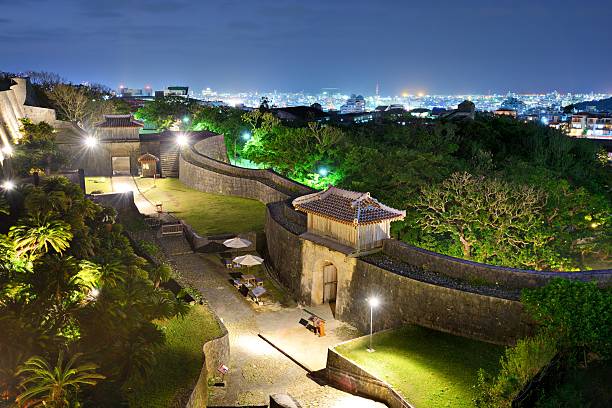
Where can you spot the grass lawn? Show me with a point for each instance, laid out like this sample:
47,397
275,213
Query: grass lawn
98,185
429,368
179,361
207,213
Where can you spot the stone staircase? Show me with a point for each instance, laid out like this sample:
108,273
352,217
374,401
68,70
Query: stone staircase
169,159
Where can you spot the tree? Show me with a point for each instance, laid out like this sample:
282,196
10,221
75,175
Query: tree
55,386
83,105
36,150
492,220
71,101
159,274
165,112
45,79
37,236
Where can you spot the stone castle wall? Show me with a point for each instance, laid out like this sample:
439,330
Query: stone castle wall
15,105
350,377
201,172
409,301
495,275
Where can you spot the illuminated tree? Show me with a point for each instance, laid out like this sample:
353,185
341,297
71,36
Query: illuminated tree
55,385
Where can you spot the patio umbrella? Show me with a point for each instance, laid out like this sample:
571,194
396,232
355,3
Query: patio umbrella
248,260
237,243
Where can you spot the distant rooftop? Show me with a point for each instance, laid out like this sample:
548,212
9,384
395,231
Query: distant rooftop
118,121
348,207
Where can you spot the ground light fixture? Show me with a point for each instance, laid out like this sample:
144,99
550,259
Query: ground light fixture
8,185
181,140
185,119
373,302
91,142
246,135
323,171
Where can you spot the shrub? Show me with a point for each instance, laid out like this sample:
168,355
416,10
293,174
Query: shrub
519,365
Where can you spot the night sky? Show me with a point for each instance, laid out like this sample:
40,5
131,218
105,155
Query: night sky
431,46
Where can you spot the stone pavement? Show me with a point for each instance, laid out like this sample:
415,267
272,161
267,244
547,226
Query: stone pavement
256,368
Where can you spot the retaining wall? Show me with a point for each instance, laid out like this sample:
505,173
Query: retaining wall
408,301
284,253
498,275
348,376
204,173
216,352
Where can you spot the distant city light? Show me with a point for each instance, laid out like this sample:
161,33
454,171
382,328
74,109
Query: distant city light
8,185
91,141
181,140
323,172
246,135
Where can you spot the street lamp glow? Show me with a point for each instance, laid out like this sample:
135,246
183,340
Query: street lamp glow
373,302
181,140
91,141
7,150
246,135
8,185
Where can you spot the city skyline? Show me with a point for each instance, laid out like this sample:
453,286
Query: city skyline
445,48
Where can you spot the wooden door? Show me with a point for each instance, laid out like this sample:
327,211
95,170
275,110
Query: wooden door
330,283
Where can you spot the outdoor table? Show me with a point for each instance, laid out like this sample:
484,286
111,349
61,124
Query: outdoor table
256,292
249,280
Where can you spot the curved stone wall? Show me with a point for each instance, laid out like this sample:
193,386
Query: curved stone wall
511,278
201,172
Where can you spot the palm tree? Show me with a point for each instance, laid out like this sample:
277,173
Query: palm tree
38,235
51,386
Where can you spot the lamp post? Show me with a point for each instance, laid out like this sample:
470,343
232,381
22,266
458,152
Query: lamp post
373,302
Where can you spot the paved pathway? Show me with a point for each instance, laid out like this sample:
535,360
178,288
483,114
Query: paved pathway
126,183
256,368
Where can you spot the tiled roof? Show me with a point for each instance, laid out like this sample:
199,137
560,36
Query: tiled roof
147,157
114,121
348,207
